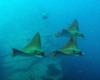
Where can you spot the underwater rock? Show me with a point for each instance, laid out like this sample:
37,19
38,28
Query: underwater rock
37,69
53,70
44,78
22,76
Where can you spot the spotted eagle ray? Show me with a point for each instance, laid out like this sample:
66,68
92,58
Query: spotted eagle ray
32,48
70,48
73,30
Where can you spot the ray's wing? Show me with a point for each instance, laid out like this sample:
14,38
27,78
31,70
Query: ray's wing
71,44
74,26
34,43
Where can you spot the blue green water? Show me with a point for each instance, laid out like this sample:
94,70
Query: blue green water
21,19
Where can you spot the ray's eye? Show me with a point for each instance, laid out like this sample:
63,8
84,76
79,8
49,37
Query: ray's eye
35,51
74,51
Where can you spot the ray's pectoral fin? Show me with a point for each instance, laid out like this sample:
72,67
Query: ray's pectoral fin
74,26
35,42
17,52
62,33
